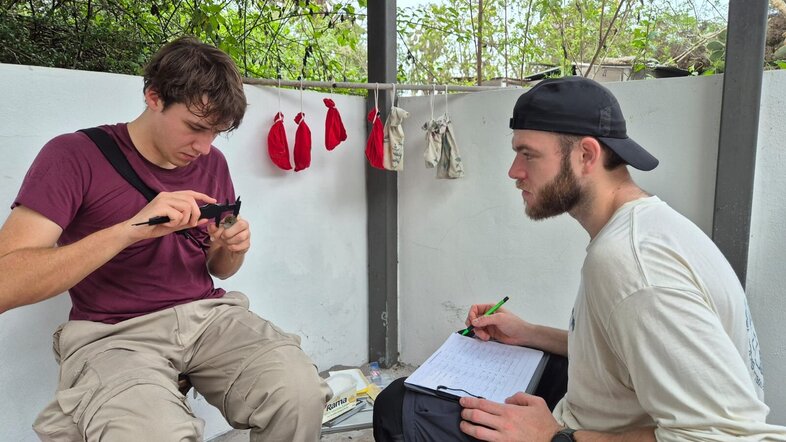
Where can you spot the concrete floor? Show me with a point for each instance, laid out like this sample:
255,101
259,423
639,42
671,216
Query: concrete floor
364,435
356,436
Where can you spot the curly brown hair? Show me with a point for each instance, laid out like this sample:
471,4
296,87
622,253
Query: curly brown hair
202,77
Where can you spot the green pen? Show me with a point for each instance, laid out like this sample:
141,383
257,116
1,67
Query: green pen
469,329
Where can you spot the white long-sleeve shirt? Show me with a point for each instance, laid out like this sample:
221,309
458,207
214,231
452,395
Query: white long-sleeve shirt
661,335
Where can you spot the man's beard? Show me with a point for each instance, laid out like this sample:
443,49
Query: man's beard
560,195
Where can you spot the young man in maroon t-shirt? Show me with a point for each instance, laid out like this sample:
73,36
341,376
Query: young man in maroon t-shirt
144,307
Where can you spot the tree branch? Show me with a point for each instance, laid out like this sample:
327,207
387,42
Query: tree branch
606,35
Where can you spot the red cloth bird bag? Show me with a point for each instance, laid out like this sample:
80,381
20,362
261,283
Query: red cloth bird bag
375,149
302,143
277,146
334,127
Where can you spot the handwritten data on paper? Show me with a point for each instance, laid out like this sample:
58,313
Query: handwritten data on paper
492,370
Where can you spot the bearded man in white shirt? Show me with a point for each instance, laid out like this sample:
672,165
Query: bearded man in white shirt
661,344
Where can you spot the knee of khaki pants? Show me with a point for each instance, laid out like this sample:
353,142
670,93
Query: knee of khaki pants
135,411
52,425
127,394
280,395
145,412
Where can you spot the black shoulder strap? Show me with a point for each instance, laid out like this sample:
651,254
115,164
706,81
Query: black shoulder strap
119,161
112,153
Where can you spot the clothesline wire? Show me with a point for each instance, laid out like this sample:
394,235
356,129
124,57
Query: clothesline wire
371,86
431,102
376,104
301,96
446,99
279,95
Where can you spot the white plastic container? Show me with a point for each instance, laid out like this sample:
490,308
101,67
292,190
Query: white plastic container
344,396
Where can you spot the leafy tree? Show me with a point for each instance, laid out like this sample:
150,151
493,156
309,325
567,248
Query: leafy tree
672,35
445,42
291,38
523,36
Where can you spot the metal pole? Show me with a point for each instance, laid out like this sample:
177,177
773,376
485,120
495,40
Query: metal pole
382,200
739,130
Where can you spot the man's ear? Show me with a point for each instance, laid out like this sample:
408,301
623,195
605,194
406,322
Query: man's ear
153,100
591,154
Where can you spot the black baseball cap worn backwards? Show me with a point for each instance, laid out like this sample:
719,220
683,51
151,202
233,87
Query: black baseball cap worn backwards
580,106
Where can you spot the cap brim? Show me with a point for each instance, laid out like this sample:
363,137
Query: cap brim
631,152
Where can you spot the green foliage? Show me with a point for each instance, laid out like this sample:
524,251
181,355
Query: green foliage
674,36
326,40
440,40
61,38
288,38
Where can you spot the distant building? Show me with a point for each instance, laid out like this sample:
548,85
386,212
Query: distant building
612,69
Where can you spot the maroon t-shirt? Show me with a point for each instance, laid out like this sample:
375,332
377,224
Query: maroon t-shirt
74,185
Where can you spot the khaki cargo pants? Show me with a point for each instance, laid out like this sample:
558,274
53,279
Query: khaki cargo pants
118,382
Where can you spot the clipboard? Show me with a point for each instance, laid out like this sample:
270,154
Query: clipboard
465,366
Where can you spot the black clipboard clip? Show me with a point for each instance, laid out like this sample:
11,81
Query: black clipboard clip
440,391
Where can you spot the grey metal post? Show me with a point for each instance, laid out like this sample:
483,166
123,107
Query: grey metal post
739,130
382,198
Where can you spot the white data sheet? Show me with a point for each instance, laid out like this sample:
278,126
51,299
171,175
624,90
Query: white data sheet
491,370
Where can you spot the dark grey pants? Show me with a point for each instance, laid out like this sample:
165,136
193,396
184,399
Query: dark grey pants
401,414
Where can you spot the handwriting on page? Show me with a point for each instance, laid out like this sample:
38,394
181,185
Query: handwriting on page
489,369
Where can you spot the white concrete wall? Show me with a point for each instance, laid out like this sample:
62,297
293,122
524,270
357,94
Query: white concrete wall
306,270
767,253
461,241
466,241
